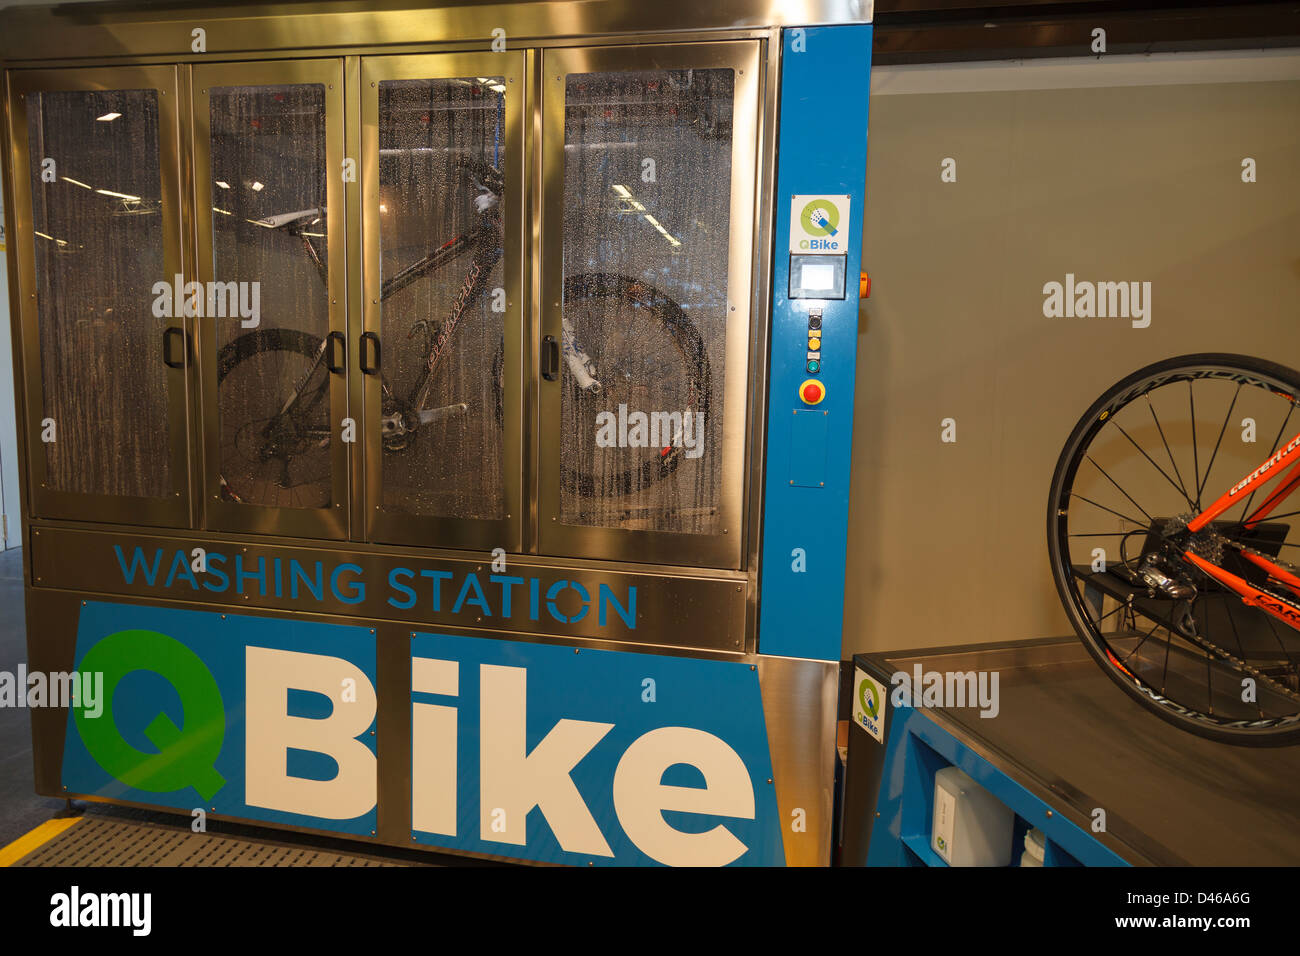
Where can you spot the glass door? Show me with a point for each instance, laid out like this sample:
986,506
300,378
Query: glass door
649,160
105,350
442,211
269,185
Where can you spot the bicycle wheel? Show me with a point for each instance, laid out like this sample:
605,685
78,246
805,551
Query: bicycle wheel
274,452
648,355
1149,455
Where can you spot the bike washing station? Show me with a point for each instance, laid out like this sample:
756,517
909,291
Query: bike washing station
461,611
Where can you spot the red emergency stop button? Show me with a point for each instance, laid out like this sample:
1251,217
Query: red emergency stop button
812,391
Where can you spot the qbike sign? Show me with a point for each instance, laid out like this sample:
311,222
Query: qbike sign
528,751
819,225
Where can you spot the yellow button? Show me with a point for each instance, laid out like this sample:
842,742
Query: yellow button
814,343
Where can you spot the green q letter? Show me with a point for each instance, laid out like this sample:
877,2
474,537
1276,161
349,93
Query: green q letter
185,757
867,697
820,218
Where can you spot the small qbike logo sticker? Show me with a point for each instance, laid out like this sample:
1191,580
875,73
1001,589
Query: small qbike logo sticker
819,225
869,704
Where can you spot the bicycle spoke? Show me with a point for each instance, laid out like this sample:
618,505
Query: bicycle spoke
1209,681
1196,460
1104,508
1150,520
1140,643
1141,451
1222,431
1164,441
1241,651
1268,619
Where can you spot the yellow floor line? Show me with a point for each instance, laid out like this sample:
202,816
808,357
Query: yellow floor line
28,842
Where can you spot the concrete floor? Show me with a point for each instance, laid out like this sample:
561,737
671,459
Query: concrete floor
20,808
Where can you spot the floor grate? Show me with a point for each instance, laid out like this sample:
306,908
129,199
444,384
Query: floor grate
100,841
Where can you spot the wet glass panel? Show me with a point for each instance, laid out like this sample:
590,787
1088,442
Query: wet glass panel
441,187
270,299
97,214
647,197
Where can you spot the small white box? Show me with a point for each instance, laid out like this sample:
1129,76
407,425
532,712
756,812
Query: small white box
971,827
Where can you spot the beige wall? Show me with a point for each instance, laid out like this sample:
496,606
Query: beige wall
1126,169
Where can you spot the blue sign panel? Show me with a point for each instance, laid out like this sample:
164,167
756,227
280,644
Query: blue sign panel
263,718
589,757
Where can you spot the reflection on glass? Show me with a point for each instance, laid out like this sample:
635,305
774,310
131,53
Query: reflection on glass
97,214
269,239
440,187
647,195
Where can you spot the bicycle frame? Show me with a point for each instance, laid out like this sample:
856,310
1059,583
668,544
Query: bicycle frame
1285,610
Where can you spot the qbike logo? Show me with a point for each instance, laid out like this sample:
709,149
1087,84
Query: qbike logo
867,697
820,218
184,758
212,723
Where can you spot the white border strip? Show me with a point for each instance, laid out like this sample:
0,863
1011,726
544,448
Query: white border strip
1067,73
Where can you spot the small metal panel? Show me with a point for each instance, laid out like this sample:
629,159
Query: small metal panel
401,527
800,704
823,148
681,610
105,841
171,508
220,512
808,431
722,546
35,34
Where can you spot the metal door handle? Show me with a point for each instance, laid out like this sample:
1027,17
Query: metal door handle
550,358
168,334
336,352
368,367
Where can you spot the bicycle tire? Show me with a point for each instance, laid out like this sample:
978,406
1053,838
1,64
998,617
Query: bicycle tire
259,341
1283,382
688,341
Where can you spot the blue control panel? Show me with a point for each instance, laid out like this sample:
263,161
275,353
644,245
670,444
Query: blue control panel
821,177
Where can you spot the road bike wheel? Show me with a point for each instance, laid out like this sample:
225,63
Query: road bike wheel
1155,450
269,456
641,343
